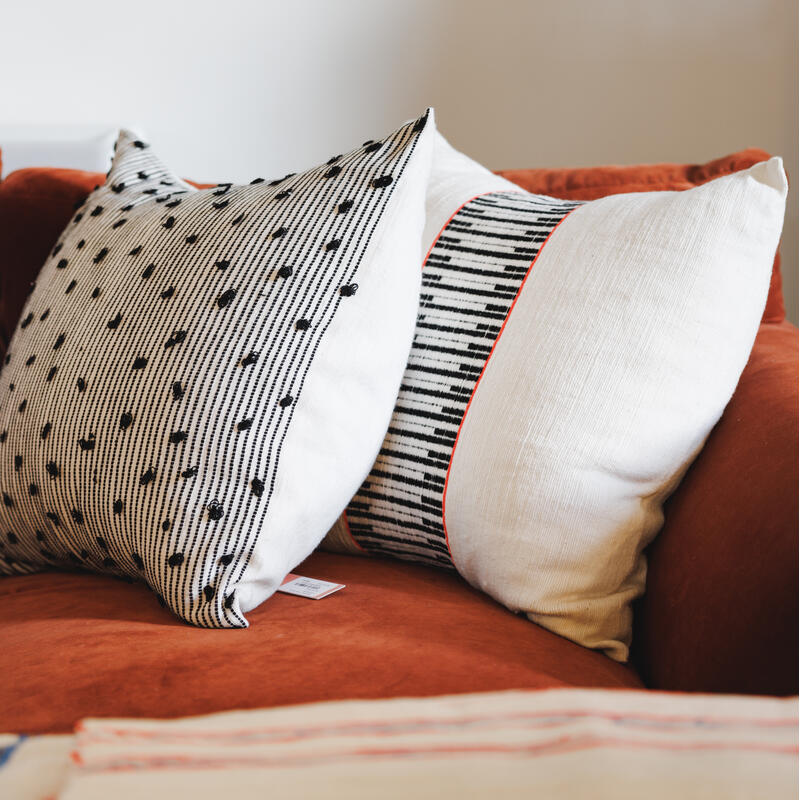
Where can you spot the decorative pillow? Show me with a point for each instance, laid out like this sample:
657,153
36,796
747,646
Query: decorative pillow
569,360
202,379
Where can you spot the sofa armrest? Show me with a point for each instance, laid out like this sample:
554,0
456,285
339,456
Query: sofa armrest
720,609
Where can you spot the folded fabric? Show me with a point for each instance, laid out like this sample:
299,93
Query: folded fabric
569,361
559,743
202,378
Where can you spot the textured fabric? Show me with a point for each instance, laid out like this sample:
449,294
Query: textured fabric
591,183
559,743
546,430
191,362
720,611
81,645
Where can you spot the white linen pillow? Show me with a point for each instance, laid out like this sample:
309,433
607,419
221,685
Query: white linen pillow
569,361
201,379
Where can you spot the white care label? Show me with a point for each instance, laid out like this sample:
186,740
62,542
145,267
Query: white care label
308,587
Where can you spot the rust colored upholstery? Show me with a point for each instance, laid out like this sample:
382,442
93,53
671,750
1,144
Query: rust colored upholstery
720,610
78,645
589,183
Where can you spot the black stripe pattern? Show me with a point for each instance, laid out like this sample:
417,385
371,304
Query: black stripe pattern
470,280
155,372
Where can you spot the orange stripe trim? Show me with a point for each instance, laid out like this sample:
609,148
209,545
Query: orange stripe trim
480,377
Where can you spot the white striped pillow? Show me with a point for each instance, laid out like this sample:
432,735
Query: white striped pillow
201,379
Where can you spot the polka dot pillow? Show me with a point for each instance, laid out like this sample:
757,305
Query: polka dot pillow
201,379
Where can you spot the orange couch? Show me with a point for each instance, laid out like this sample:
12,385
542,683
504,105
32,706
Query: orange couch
719,614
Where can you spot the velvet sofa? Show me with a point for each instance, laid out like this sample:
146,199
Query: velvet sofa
719,613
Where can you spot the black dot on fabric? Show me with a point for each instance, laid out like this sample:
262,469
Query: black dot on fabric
285,272
420,124
148,271
225,298
62,263
140,363
33,490
109,562
286,401
177,390
40,536
302,325
101,254
81,244
150,191
54,518
215,511
169,222
137,560
382,182
332,172
22,406
223,188
209,592
226,559
348,290
191,238
244,425
118,224
95,293
176,437
136,250
118,506
17,463
222,265
70,287
190,473
344,206
113,324
3,436
333,245
87,444
167,293
46,430
148,476
163,199
84,554
77,218
77,516
276,234
220,204
12,538
334,159
128,207
282,195
142,176
125,420
250,359
173,203
165,525
176,338
52,469
8,502
57,249
238,220
10,387
229,600
97,211
44,315
27,321
30,360
139,144
371,147
81,385
175,560
256,180
257,486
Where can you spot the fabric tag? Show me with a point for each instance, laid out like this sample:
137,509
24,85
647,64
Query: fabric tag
308,587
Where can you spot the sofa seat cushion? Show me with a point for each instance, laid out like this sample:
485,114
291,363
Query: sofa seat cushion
77,645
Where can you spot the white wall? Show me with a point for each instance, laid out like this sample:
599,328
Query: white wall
229,90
